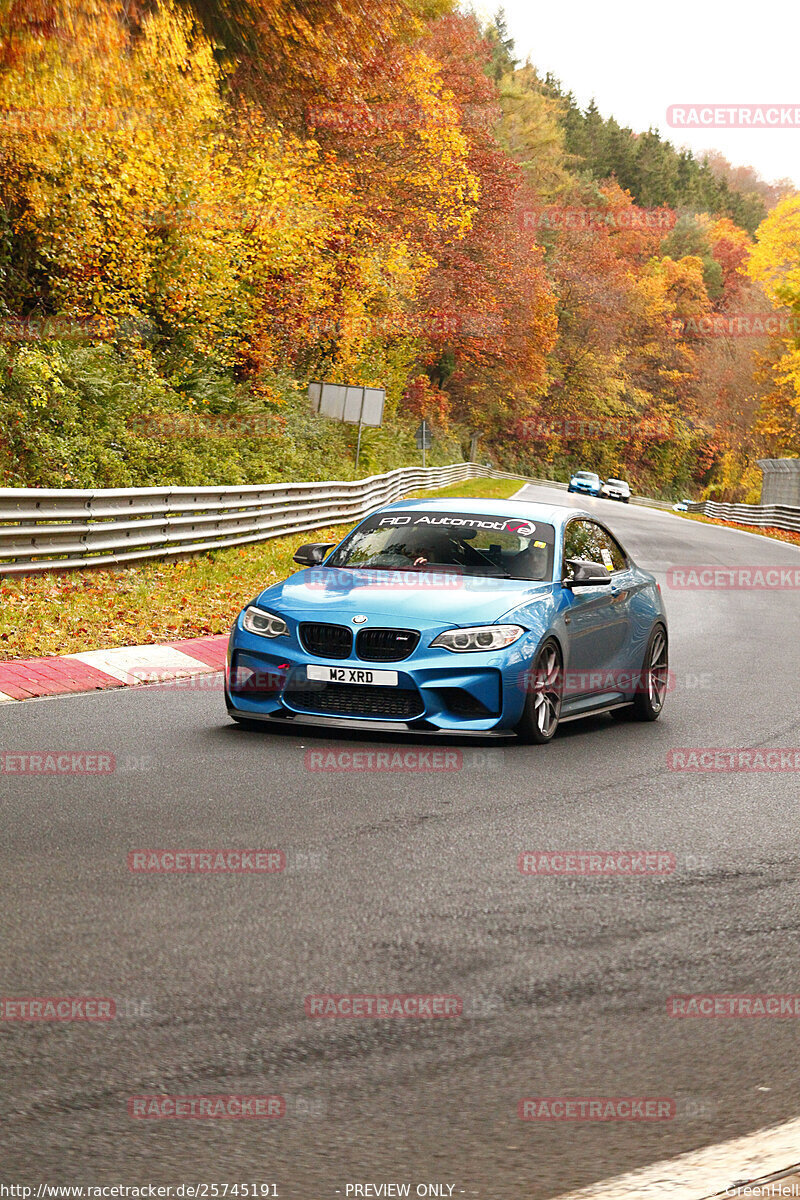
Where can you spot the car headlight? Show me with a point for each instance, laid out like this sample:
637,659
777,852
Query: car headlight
479,637
257,620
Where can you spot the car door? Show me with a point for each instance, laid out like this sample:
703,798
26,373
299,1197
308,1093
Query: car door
597,618
623,588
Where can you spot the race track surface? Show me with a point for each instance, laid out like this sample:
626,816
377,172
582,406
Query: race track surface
408,882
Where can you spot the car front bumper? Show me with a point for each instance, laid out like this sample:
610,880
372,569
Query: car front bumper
436,689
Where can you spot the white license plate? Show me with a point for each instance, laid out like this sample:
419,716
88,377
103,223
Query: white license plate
352,675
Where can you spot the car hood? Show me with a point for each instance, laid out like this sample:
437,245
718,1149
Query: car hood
421,598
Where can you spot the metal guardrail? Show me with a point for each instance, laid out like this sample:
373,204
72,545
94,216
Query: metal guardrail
46,529
774,516
646,502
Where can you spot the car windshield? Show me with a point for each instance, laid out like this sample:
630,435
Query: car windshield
616,482
585,475
465,543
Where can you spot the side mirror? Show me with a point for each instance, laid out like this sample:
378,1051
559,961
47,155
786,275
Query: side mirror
587,574
312,554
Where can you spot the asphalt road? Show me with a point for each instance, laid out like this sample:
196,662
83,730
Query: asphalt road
409,883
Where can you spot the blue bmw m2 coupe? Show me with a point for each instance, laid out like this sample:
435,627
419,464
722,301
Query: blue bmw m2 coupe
457,615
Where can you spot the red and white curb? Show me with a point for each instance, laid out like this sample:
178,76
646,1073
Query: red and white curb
124,666
727,1169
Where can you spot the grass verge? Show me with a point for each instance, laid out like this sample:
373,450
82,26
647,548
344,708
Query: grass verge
493,489
160,601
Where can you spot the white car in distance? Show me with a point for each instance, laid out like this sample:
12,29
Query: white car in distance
616,489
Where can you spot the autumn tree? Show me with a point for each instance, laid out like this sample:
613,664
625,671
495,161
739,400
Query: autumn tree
774,263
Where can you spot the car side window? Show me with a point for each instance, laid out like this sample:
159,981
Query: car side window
588,541
577,544
619,559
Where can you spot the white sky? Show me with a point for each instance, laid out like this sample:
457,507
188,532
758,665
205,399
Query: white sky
637,58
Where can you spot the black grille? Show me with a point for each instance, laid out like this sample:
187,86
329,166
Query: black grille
385,645
358,700
327,641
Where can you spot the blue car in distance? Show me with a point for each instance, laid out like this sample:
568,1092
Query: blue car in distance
457,615
586,482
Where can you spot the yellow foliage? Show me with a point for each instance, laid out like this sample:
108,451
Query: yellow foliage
775,264
159,207
775,258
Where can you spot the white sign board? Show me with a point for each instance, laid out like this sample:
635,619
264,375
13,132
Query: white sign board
374,400
331,403
347,403
353,400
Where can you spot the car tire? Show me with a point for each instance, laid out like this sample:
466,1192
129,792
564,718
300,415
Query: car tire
542,710
648,703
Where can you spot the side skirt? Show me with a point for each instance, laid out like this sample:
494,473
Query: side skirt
595,712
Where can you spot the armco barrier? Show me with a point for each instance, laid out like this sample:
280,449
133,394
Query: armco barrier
45,529
646,502
48,529
773,516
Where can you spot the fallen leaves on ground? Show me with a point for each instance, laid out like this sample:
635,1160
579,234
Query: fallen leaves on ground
98,609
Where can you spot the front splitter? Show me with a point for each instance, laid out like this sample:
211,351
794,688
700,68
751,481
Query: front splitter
367,726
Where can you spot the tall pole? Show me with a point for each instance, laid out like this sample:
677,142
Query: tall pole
424,441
